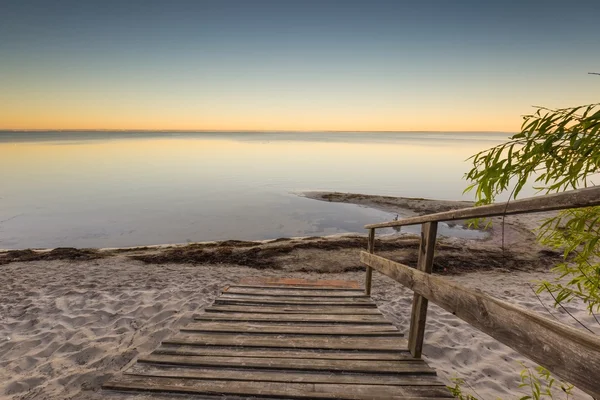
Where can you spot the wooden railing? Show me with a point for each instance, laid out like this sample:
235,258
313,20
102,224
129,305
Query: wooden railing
571,354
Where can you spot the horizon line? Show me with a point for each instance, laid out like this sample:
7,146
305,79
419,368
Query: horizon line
251,131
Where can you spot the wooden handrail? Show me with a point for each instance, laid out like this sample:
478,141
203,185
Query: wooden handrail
586,197
571,354
418,314
370,249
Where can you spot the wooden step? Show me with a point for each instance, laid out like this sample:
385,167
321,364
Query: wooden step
305,329
298,318
292,309
249,374
410,367
274,389
266,340
290,341
224,351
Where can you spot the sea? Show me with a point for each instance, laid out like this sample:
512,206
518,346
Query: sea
120,189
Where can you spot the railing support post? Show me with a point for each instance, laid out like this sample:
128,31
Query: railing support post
370,249
419,306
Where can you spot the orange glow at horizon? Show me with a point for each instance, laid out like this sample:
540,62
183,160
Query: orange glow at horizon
338,105
78,117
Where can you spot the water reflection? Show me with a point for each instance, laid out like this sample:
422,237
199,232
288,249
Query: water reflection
114,189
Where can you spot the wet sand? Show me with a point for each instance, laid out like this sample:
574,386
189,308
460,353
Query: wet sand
513,231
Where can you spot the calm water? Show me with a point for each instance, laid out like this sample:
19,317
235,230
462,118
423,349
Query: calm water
98,189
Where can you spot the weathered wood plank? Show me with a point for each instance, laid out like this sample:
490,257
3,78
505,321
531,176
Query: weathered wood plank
273,389
329,329
571,354
254,375
410,367
369,271
299,318
278,292
175,349
418,315
288,341
321,303
292,309
586,197
291,282
352,286
337,300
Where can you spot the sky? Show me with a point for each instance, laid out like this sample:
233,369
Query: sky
294,65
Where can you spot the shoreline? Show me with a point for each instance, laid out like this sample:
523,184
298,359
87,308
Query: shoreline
323,254
415,205
517,227
510,244
181,244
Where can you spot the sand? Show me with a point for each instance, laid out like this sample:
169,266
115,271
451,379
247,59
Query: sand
70,319
66,326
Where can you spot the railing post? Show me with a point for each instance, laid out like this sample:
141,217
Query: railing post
370,249
419,306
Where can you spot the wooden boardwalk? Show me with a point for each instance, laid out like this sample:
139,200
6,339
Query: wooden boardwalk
285,340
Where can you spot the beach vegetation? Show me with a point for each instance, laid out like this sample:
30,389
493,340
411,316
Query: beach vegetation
556,150
538,382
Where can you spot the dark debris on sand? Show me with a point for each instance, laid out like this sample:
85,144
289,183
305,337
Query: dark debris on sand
258,255
449,258
60,253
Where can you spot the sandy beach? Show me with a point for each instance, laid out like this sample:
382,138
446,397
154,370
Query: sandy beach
70,319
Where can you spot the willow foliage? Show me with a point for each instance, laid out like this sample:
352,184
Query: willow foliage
540,384
557,149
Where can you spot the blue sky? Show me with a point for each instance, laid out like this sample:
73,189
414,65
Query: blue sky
293,65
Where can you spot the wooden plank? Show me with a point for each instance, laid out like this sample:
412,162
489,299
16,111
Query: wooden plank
410,367
293,294
321,303
298,282
418,315
175,349
288,341
291,309
336,300
570,353
369,272
278,291
299,318
586,197
279,376
314,288
258,328
273,389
